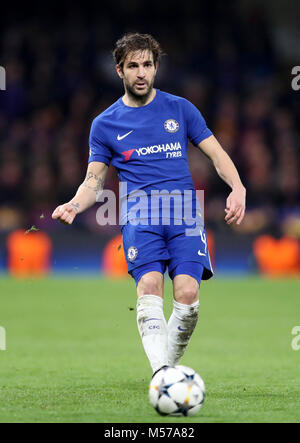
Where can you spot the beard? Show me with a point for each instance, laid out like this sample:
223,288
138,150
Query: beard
139,96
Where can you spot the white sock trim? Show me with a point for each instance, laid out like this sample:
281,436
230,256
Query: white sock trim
184,306
151,297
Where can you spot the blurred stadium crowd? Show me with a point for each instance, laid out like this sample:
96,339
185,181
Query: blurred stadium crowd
60,75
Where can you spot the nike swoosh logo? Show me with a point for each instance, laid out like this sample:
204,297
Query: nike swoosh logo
180,329
120,137
201,253
149,319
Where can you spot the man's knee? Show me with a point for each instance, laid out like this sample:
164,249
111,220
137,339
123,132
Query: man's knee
151,283
186,291
187,296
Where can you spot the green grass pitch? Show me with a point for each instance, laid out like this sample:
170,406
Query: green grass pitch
74,354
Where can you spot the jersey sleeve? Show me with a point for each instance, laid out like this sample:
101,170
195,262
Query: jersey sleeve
197,131
99,152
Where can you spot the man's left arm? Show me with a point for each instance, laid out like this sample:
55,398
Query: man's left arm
236,201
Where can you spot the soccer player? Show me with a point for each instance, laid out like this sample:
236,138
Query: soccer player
145,134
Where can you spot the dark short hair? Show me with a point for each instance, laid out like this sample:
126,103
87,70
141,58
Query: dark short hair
136,42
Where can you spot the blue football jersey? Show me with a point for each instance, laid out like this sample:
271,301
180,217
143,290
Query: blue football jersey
148,144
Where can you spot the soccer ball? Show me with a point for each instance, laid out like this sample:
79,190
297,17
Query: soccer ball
177,391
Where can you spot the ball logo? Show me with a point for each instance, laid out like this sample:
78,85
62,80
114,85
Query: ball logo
132,253
171,125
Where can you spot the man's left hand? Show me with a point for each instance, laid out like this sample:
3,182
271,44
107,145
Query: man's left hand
235,206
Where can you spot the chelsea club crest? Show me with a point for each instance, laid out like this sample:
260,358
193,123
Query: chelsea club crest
171,125
132,253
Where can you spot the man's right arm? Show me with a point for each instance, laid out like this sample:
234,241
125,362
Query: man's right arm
86,195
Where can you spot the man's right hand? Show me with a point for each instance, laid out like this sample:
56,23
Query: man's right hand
66,213
86,195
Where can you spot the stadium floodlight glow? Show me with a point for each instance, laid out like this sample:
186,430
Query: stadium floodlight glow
2,79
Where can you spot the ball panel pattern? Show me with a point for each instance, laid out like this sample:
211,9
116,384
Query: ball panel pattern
177,391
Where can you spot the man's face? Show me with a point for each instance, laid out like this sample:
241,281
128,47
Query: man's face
138,73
